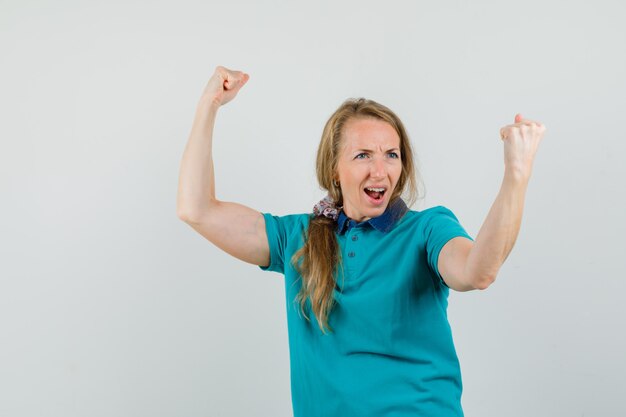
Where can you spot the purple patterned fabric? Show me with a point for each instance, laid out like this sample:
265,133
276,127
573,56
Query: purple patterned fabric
326,207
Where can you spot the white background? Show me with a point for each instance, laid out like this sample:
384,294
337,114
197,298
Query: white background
112,306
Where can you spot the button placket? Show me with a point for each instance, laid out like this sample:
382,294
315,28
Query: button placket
350,250
353,237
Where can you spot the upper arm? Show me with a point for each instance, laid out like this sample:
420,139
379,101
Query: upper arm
452,264
236,229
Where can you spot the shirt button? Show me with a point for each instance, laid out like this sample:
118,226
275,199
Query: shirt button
351,254
355,238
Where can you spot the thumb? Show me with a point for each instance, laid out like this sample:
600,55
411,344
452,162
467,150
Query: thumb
518,118
236,81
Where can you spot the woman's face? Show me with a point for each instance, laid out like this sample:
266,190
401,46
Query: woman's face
369,167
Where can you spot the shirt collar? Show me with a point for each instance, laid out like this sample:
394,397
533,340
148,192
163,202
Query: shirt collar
383,223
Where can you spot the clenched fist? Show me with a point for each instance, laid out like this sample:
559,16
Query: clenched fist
224,85
521,141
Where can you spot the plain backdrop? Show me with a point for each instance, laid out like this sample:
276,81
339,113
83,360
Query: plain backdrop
112,306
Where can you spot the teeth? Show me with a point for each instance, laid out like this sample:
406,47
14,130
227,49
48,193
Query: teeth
379,190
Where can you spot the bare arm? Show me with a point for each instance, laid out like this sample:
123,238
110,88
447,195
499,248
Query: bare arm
467,265
234,228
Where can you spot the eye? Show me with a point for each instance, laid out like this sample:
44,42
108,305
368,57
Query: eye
359,156
393,155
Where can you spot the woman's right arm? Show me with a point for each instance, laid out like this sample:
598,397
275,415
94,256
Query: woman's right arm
234,228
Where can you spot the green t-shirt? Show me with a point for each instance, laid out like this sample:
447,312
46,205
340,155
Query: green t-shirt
391,352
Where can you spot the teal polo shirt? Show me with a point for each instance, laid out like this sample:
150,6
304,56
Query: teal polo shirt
391,352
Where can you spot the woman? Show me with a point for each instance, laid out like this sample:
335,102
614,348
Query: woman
366,279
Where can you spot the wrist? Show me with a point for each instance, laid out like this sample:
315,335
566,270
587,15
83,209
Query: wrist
516,177
208,104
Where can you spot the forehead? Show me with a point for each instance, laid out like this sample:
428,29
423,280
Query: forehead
369,133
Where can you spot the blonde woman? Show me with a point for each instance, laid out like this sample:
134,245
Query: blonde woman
366,278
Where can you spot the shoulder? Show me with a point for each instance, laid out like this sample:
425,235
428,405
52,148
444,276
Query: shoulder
421,217
286,224
423,224
437,211
289,218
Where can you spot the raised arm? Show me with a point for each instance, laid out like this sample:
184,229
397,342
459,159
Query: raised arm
467,265
234,228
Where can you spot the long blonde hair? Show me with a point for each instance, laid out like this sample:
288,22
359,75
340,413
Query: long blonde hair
318,259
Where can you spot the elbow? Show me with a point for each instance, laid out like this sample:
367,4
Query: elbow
191,213
484,283
196,214
182,214
186,216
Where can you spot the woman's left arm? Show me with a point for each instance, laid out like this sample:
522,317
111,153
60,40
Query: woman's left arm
475,265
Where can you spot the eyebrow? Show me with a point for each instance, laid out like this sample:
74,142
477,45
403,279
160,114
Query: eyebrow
369,150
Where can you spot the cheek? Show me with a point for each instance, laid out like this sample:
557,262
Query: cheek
354,174
396,175
397,170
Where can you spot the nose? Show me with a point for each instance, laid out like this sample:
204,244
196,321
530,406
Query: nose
378,169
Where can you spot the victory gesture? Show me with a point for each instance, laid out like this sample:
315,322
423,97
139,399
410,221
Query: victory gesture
521,141
224,85
365,165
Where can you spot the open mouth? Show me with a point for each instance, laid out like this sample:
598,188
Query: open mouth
375,193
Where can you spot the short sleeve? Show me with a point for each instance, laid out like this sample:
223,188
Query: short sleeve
441,226
282,234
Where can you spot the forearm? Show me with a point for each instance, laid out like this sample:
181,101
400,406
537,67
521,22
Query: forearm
196,182
498,233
